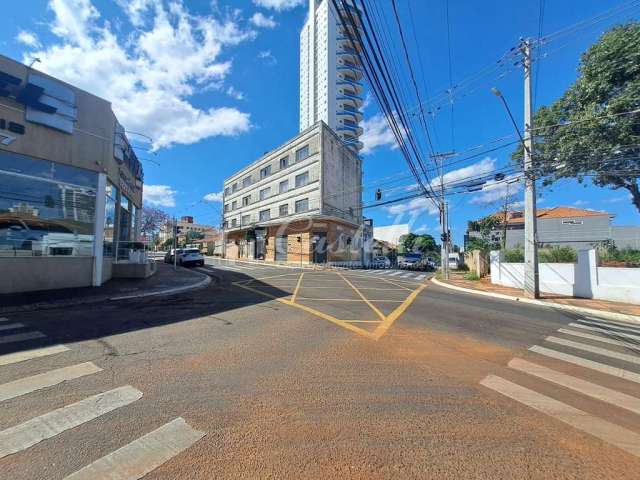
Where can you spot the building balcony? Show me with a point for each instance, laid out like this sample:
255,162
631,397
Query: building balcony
351,69
353,143
352,113
348,130
355,87
354,100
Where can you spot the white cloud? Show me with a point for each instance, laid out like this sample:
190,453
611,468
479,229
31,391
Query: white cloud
422,229
580,203
466,174
159,195
494,190
413,207
262,21
149,76
268,57
213,197
29,39
278,4
377,134
232,92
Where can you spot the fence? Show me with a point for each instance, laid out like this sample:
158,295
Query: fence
582,279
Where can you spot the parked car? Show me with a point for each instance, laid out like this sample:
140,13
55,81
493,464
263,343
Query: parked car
410,261
380,262
168,257
190,256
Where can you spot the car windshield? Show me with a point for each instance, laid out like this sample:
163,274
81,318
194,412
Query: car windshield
412,256
192,250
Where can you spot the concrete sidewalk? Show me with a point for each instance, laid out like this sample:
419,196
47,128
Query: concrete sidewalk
603,308
166,281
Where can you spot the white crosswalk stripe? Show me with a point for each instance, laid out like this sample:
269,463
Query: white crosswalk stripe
17,357
611,325
21,337
3,319
597,350
395,273
11,326
598,338
407,275
594,328
27,385
421,277
593,390
583,362
615,435
31,432
135,460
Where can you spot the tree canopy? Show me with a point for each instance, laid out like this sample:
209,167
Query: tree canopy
418,243
593,130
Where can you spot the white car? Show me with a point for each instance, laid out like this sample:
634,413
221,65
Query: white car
190,256
381,262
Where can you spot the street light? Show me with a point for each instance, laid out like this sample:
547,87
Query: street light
498,94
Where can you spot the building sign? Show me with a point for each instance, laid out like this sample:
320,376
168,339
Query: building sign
13,127
47,101
127,186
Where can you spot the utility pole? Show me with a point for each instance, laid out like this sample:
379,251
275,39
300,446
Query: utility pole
531,276
175,243
444,216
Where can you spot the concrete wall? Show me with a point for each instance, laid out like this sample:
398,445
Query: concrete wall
24,274
583,279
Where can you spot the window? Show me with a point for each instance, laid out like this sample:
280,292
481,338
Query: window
226,207
225,224
245,220
234,222
246,200
284,163
246,181
302,205
265,172
234,187
227,190
234,205
109,219
572,222
47,208
265,215
302,179
284,186
284,210
302,153
265,193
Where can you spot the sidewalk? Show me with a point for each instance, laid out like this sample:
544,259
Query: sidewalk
166,281
612,310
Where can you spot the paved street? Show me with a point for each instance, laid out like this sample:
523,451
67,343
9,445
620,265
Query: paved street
274,372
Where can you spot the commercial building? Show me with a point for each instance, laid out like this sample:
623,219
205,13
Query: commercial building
70,184
563,226
330,75
298,203
186,225
391,234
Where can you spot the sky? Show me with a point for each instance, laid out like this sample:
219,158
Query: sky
214,85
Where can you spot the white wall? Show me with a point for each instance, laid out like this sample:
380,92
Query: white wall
583,279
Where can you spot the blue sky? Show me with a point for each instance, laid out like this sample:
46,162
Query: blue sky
215,84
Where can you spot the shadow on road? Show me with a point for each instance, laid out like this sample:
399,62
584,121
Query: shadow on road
97,320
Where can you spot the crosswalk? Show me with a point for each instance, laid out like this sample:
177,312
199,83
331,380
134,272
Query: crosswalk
398,274
591,344
131,461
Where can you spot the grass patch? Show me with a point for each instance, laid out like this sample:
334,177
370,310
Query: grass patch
471,276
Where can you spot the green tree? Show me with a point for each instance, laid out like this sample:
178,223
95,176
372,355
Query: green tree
407,241
589,130
425,244
486,227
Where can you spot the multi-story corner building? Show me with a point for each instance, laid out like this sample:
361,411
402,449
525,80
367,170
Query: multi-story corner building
330,75
71,185
298,203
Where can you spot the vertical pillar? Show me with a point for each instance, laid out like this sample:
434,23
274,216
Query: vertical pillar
98,230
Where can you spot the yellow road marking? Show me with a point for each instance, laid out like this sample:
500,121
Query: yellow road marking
393,316
384,324
347,300
371,305
295,292
264,278
411,282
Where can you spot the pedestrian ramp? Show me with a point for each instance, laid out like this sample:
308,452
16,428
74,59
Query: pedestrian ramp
131,461
590,358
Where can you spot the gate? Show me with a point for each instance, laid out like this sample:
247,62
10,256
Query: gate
281,247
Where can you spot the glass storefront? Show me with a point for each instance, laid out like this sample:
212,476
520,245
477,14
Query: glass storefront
110,219
45,208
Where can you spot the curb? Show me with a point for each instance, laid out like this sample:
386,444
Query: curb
621,317
88,301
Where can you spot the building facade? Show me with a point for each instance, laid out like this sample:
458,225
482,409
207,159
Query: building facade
564,226
298,203
330,75
70,184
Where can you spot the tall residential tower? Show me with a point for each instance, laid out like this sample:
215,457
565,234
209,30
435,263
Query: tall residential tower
330,75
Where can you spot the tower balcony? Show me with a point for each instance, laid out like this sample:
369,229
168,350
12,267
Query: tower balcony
352,142
352,100
349,130
350,113
352,70
348,87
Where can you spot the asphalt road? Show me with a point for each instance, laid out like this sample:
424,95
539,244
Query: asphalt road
286,373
